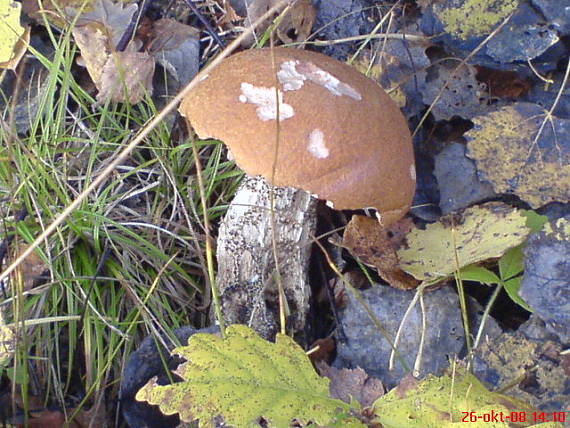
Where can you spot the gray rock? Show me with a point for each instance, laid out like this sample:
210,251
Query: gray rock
535,329
459,185
525,37
338,19
556,12
366,347
25,111
546,282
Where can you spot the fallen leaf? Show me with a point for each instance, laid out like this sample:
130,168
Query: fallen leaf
176,47
455,91
24,101
111,18
555,12
19,51
457,179
322,350
55,12
296,26
457,240
7,343
126,77
119,76
520,150
31,269
443,402
242,378
352,384
96,416
503,83
11,32
534,369
45,419
93,44
399,67
252,10
366,239
472,18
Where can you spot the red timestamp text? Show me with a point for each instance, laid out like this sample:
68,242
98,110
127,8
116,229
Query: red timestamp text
501,416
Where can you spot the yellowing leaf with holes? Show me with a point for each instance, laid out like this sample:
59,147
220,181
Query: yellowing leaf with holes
243,378
453,400
10,29
520,150
478,233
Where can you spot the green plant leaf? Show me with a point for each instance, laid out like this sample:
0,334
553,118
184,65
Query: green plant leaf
457,240
512,263
479,274
534,220
243,378
445,401
512,287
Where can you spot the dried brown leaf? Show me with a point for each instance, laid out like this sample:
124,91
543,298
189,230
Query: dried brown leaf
296,26
31,268
169,34
349,384
365,238
112,18
176,47
256,9
126,77
93,44
323,350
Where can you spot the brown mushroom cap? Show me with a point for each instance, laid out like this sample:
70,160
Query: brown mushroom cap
341,137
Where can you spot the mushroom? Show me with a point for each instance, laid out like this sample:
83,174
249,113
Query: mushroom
341,139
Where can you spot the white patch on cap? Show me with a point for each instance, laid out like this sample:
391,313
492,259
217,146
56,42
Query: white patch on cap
289,77
293,74
317,145
264,99
329,204
413,172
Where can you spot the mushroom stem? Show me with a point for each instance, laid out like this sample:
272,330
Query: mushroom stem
246,263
